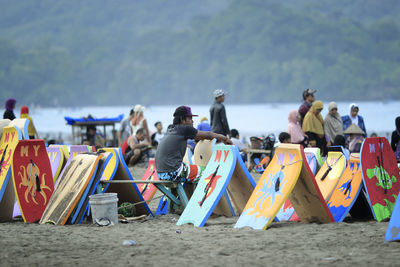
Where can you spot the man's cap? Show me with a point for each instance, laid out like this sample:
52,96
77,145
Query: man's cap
139,108
308,92
218,93
184,111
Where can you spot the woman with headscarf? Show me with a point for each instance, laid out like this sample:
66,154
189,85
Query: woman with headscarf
333,124
9,112
353,118
294,129
395,141
313,126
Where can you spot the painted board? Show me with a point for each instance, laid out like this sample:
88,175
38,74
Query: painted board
82,208
149,190
202,154
330,172
273,188
347,189
312,162
33,180
64,149
21,124
57,161
73,183
285,212
317,152
74,150
211,186
393,230
3,123
9,140
307,199
380,175
111,166
127,192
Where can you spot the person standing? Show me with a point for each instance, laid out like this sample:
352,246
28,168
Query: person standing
308,97
333,124
31,127
294,129
313,126
353,118
9,112
219,122
125,129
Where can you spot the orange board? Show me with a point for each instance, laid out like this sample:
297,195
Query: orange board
330,172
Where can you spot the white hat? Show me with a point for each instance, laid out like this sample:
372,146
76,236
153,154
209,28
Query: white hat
138,108
218,93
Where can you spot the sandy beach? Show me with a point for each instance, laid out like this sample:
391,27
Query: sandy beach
160,242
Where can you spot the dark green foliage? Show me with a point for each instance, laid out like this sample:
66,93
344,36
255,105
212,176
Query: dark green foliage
177,52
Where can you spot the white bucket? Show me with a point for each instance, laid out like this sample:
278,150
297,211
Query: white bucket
104,208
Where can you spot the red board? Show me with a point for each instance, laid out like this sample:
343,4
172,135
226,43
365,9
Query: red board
380,175
33,179
148,190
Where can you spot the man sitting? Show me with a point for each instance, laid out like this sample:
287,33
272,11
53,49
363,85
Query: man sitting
172,148
136,150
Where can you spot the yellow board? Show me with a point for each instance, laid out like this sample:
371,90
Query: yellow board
273,188
57,160
3,123
111,166
9,140
328,179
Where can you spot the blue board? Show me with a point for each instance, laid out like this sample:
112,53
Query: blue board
212,185
393,231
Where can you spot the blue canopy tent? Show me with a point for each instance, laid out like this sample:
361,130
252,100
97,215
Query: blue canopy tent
80,125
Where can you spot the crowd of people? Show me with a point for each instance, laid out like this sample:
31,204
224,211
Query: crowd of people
306,126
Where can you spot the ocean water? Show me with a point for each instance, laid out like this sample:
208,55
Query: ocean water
248,119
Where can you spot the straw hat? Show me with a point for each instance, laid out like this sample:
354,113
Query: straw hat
354,129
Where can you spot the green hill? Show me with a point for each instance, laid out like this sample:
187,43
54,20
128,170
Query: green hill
170,52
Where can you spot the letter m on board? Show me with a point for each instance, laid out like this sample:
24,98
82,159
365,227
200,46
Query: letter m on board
218,156
371,148
24,151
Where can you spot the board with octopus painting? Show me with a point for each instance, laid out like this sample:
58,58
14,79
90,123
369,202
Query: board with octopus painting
33,179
